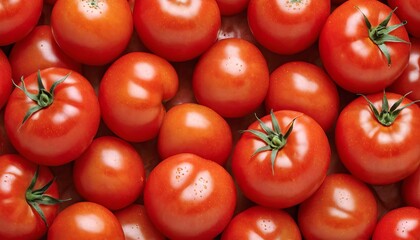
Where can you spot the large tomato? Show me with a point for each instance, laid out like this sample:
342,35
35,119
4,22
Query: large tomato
90,31
364,46
5,79
53,116
377,138
398,224
408,10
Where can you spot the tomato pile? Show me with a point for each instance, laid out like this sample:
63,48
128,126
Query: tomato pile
209,119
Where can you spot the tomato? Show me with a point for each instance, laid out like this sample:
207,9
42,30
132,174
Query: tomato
306,88
231,7
136,224
39,44
400,223
5,145
85,220
189,197
26,207
281,159
359,58
110,172
92,32
409,11
259,222
131,94
58,127
194,128
177,30
410,189
5,79
378,142
287,27
231,78
342,208
17,19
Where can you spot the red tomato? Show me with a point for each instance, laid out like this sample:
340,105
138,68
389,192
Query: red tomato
92,32
284,166
231,78
262,223
287,27
17,19
400,223
194,128
342,208
40,45
408,10
131,94
357,60
189,197
305,88
66,121
136,224
85,220
410,189
177,30
20,198
5,79
380,149
231,7
110,172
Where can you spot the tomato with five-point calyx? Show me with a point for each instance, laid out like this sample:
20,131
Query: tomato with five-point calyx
6,85
52,116
398,224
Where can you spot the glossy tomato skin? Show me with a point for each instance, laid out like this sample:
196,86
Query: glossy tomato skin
177,30
5,79
85,220
375,153
409,11
259,222
306,88
194,128
61,132
232,78
299,167
110,172
17,19
189,197
231,7
410,189
18,219
287,27
39,44
351,58
92,32
400,223
342,208
131,93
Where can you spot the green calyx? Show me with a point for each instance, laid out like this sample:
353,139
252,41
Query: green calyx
275,140
37,197
388,114
380,34
43,98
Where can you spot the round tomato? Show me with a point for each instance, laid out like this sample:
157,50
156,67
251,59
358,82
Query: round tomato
131,94
281,159
377,137
342,208
5,79
408,10
364,46
189,197
231,7
410,189
400,223
85,220
177,30
29,198
92,32
52,117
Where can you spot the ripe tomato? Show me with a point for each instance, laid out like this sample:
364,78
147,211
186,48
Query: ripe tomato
231,78
189,197
259,222
194,128
63,122
5,79
281,159
382,147
410,11
400,223
342,208
362,58
92,32
231,7
287,27
25,209
410,189
85,220
131,94
177,30
110,172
